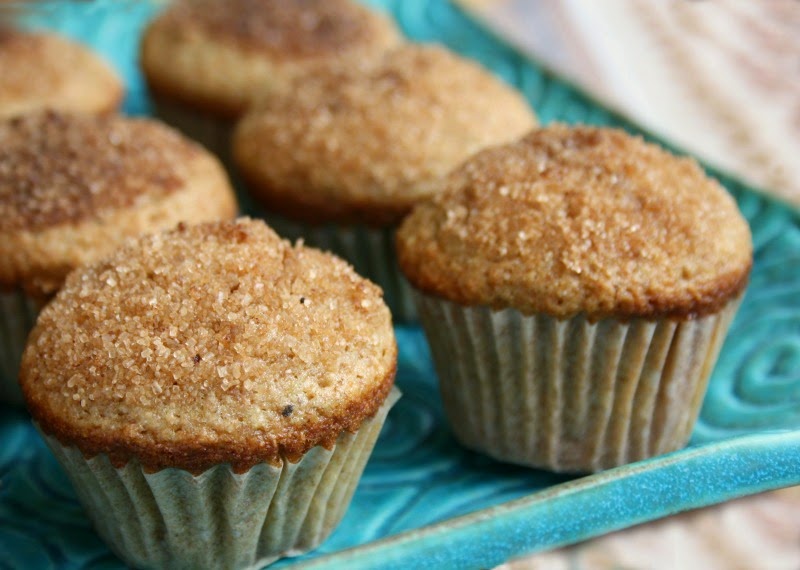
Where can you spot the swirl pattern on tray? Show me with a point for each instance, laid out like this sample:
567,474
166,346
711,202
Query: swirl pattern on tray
418,473
756,384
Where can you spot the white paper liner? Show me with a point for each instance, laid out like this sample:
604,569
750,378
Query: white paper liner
220,519
570,395
16,321
212,132
370,250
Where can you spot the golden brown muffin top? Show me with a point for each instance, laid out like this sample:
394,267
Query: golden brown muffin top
218,57
58,168
580,220
72,187
283,28
216,343
366,144
40,71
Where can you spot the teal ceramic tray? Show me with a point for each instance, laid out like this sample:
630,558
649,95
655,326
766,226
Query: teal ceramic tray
424,502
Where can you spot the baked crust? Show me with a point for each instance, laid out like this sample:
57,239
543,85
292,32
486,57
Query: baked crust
364,145
217,343
74,187
218,57
47,71
580,220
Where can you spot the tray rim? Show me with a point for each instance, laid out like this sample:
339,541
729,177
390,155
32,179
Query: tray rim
457,539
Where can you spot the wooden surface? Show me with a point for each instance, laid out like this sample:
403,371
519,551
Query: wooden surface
720,78
759,532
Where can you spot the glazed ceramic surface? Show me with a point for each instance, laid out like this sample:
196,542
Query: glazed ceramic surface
424,502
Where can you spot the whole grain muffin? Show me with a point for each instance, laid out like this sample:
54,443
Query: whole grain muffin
583,282
73,188
45,71
350,152
212,379
206,61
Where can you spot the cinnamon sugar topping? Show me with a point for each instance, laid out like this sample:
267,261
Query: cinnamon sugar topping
40,71
60,168
191,348
580,220
19,56
297,27
366,143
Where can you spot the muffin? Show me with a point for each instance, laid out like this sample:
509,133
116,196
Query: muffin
575,288
46,71
72,188
205,61
212,381
345,157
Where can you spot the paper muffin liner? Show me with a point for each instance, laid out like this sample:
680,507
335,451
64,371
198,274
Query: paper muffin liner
212,132
18,317
221,519
570,395
371,251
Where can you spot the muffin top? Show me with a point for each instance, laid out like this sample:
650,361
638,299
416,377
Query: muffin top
47,71
65,180
364,145
217,56
215,343
580,220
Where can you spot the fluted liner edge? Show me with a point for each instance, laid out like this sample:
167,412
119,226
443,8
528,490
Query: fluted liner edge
570,395
18,317
221,519
212,132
